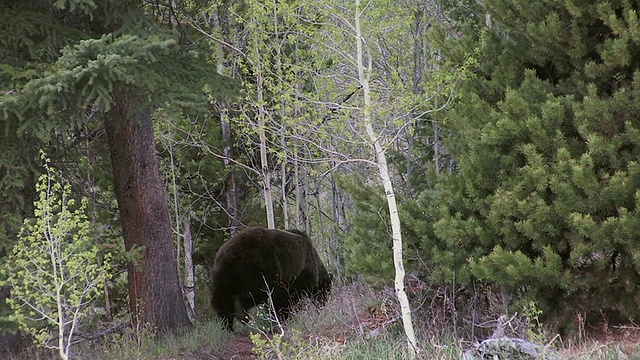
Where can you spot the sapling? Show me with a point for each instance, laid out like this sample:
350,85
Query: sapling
54,271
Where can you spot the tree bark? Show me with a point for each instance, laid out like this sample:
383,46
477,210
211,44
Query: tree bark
155,297
262,124
230,190
283,185
230,181
299,200
189,279
381,159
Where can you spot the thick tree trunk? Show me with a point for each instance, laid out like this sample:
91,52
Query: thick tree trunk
155,297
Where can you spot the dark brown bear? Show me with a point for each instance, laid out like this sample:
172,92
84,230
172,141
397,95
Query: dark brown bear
257,261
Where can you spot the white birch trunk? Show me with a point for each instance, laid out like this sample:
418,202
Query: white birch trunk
388,188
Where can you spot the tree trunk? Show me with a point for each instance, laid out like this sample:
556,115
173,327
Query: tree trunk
230,190
299,200
154,291
338,220
262,119
189,282
230,181
436,147
283,183
388,188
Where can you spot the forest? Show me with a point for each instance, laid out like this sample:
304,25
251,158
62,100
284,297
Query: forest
468,170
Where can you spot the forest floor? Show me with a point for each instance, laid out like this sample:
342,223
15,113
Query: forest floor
358,319
357,323
360,323
239,346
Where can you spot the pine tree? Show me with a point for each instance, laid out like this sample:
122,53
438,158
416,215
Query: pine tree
367,248
23,53
546,143
108,61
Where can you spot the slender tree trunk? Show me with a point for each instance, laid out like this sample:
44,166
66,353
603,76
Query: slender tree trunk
299,200
283,119
189,283
264,163
388,188
283,187
305,208
230,181
176,207
155,297
338,220
408,188
436,148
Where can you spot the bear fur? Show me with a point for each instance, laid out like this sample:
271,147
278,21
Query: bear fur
257,261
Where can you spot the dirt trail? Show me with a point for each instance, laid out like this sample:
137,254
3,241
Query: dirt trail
236,347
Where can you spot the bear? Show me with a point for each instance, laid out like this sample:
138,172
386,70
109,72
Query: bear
257,262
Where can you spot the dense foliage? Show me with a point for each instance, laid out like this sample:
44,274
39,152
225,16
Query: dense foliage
511,131
74,72
545,138
56,270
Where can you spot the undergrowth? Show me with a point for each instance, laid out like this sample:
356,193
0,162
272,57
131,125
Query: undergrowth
357,323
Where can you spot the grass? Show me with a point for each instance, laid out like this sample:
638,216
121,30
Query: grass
357,323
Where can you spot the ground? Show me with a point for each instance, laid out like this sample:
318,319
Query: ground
356,323
237,346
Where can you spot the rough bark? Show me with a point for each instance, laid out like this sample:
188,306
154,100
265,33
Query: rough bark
155,297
